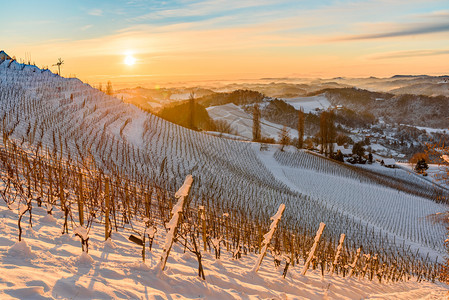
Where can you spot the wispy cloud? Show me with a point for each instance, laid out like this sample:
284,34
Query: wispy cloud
408,30
201,9
85,27
95,12
412,53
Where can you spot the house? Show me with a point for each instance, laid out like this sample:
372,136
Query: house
388,162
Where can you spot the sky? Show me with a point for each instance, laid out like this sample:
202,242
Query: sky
228,39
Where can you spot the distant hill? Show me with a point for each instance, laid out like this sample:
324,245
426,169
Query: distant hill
238,97
418,110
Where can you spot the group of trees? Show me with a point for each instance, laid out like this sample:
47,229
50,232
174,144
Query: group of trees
108,90
327,134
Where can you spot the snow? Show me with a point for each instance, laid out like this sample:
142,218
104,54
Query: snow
242,122
22,208
49,219
309,104
430,130
389,161
81,231
85,260
172,225
435,173
180,96
20,250
58,270
268,236
313,249
445,158
401,215
183,191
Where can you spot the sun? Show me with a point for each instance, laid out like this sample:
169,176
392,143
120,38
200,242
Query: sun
130,60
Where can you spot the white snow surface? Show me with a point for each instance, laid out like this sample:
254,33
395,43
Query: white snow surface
398,214
54,267
48,265
309,104
242,122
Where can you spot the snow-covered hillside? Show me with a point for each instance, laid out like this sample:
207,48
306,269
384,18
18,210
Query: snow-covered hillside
309,104
67,119
48,265
242,123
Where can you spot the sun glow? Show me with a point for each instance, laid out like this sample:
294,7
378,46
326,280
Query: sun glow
130,60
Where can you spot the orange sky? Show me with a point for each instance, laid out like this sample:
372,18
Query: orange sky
208,40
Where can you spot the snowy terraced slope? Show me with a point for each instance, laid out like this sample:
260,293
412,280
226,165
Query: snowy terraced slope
39,107
398,213
242,122
309,104
48,265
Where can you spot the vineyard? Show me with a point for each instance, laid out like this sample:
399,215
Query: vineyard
96,161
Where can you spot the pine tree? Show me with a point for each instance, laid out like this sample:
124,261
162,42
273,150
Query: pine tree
421,166
192,110
256,123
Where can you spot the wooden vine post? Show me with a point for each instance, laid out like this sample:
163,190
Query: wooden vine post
81,199
337,255
173,224
107,226
61,189
268,236
202,217
50,185
313,249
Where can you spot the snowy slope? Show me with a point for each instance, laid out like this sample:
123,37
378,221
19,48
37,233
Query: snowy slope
401,215
242,122
309,104
39,107
48,265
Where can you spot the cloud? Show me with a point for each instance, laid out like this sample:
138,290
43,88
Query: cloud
413,53
407,30
95,12
201,9
85,27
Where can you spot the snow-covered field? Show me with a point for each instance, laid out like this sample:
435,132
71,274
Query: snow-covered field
72,118
399,214
242,122
309,104
49,265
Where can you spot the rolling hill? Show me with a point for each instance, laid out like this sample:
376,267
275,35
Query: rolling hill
65,121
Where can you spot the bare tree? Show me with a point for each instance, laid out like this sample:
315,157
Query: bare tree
327,132
59,63
284,137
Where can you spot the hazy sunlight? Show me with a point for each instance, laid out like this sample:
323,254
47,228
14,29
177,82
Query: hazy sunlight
130,60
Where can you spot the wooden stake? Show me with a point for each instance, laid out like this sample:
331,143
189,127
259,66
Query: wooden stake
107,203
313,249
